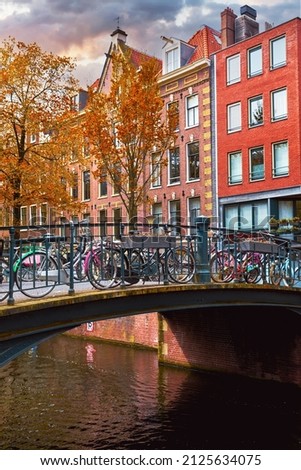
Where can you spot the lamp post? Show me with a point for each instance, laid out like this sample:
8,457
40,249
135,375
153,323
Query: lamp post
202,273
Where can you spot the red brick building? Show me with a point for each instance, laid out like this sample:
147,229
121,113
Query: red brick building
182,189
256,108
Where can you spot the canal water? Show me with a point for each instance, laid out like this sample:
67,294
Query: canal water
76,394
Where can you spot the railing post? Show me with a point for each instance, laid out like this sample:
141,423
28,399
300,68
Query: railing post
202,273
11,300
71,274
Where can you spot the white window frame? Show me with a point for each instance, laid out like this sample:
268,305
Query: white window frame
253,174
177,178
255,105
279,104
192,111
283,170
234,117
275,51
255,61
175,104
101,186
235,178
172,59
156,170
195,157
233,69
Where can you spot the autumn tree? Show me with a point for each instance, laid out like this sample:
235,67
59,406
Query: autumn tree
126,127
37,133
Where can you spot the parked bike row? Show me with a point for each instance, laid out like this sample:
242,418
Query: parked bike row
35,266
262,258
39,264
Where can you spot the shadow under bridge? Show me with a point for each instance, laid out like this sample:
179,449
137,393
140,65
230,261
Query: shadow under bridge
27,324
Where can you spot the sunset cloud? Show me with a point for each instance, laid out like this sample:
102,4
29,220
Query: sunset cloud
82,28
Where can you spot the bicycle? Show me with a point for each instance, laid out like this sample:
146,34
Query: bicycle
282,271
149,258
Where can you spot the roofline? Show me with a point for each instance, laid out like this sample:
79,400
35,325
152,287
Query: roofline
181,71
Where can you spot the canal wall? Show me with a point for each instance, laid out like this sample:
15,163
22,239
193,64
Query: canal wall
262,344
136,330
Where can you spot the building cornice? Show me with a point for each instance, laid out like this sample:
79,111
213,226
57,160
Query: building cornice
183,71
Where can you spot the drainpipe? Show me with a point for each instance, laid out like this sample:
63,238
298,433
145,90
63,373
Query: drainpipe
202,272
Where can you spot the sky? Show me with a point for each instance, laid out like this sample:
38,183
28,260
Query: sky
82,29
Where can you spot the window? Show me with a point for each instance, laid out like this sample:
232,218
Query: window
174,166
194,208
278,52
233,69
280,159
246,215
86,185
157,213
173,108
192,110
279,104
172,60
255,111
102,220
74,187
256,164
33,215
234,117
254,61
175,216
44,213
193,163
23,215
156,170
235,168
102,185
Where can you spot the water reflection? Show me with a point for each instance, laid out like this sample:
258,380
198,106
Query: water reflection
72,394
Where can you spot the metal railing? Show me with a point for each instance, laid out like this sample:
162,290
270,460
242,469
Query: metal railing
38,261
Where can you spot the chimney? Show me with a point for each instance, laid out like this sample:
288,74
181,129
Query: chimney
246,25
228,27
118,35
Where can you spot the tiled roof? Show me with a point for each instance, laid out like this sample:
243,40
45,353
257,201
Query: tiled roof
207,41
136,57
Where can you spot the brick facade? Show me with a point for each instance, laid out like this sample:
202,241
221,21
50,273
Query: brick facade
137,330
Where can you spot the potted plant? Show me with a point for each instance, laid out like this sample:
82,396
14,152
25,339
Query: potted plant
273,223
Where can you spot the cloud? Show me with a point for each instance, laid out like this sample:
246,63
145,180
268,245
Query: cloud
82,28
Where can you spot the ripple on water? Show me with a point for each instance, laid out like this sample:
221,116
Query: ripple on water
57,397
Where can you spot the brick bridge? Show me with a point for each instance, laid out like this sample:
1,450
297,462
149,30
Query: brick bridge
251,330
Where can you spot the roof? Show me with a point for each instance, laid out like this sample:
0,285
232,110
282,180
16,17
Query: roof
206,41
137,57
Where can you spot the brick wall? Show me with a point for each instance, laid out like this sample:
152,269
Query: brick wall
260,344
138,330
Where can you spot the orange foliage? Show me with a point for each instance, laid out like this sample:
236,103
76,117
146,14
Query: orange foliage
37,132
126,126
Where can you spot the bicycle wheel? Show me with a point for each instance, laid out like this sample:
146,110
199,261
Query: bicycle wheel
222,267
180,265
275,273
4,279
102,268
252,268
297,277
288,274
37,274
